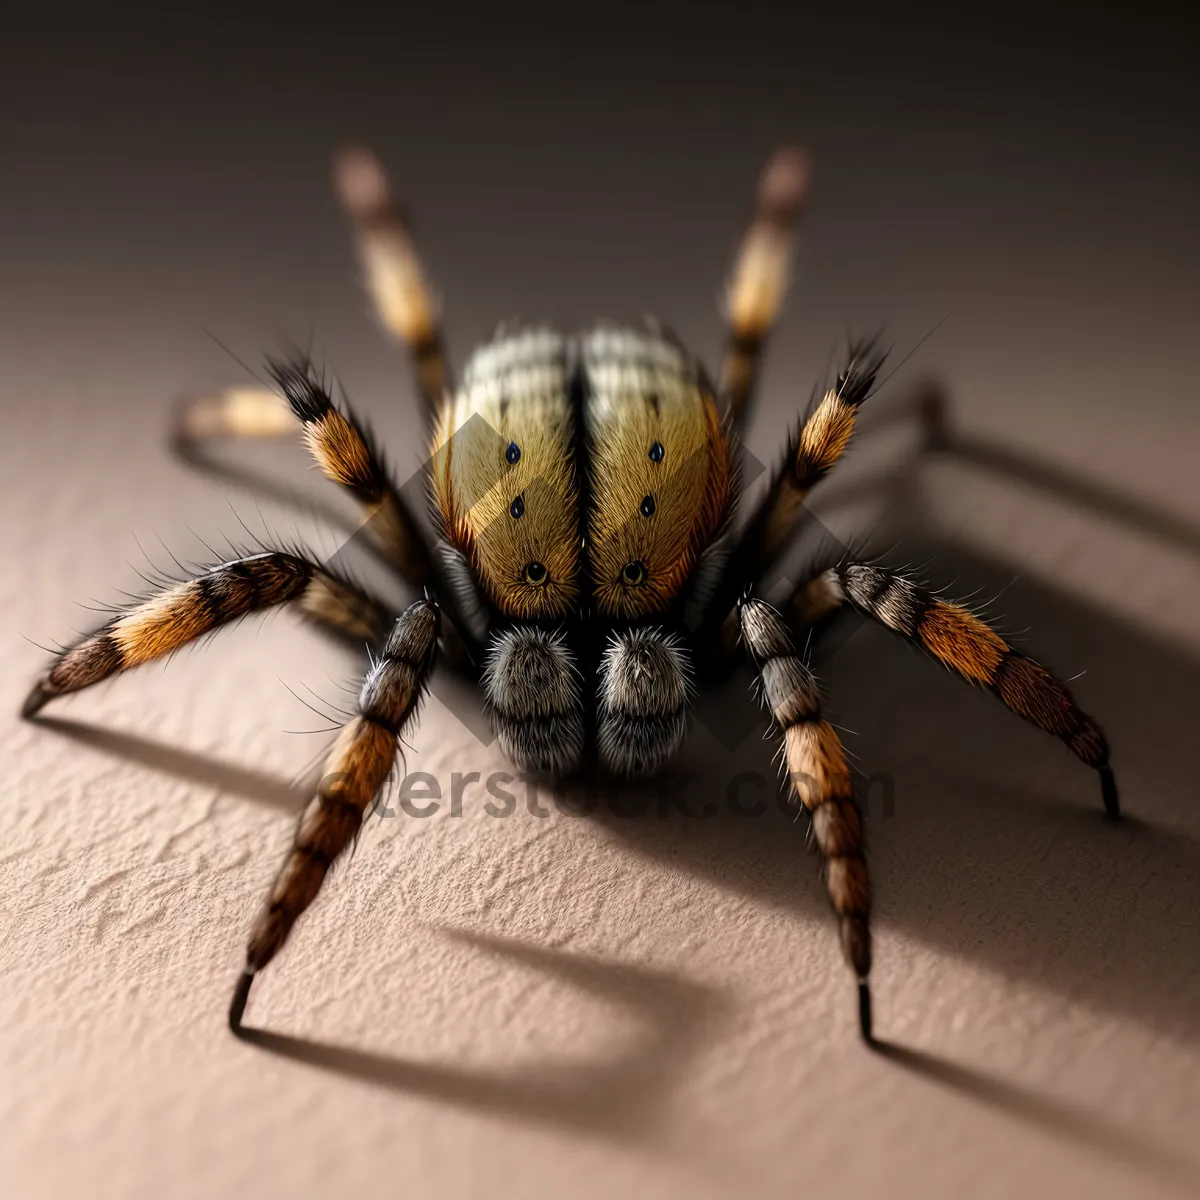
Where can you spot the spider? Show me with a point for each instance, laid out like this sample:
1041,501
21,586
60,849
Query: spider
586,564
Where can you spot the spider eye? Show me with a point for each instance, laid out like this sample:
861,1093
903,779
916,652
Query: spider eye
656,452
535,573
647,508
634,573
517,508
513,453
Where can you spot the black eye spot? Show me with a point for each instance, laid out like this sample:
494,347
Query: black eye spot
657,452
534,572
513,453
647,509
517,508
634,573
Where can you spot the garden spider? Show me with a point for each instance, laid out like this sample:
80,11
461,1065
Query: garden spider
587,563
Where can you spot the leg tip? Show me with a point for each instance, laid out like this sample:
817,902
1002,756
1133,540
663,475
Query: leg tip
237,1005
864,1013
37,699
1108,790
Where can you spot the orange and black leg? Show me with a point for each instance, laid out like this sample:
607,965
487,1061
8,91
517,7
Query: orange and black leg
760,278
819,780
966,645
813,450
181,613
345,450
355,770
340,442
395,278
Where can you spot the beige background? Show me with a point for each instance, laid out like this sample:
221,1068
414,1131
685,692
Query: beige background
590,1007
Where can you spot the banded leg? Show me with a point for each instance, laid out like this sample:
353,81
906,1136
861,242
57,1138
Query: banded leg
968,646
341,445
643,695
394,277
812,452
185,611
355,770
533,693
760,277
202,422
346,453
820,780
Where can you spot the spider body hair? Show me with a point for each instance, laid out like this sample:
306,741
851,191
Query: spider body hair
534,695
644,687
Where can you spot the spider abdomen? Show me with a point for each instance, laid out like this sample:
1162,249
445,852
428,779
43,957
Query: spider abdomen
504,475
659,468
608,442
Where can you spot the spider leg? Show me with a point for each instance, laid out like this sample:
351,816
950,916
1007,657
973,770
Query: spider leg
644,685
812,452
355,769
759,279
340,442
394,277
819,780
345,450
185,611
967,645
245,411
534,700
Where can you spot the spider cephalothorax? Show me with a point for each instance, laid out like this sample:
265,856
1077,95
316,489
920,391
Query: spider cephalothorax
587,564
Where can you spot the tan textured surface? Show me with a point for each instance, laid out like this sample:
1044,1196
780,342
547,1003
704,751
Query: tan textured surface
593,1007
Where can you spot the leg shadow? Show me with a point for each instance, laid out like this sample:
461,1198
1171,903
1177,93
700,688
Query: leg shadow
246,782
625,1097
1087,1130
200,458
941,437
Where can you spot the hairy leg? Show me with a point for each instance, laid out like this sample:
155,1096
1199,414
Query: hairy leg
820,781
394,275
346,452
185,611
968,646
355,769
759,279
813,450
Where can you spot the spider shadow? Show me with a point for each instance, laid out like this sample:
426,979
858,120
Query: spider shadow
262,787
624,1098
1087,1130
